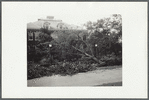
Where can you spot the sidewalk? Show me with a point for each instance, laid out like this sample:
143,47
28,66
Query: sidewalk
98,77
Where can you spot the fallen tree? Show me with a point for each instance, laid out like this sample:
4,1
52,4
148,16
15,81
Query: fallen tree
92,57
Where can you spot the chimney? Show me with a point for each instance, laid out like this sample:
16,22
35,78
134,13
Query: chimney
50,17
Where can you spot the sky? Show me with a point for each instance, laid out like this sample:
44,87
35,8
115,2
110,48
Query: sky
76,13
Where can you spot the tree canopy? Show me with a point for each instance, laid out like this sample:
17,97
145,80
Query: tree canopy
104,33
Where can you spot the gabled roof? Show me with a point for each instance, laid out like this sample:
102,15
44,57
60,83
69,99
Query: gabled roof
39,24
53,25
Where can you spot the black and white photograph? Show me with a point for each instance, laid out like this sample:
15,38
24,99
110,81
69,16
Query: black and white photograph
74,49
64,54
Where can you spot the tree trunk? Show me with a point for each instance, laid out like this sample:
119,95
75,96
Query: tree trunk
94,58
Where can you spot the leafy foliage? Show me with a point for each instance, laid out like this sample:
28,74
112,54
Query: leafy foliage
75,51
63,68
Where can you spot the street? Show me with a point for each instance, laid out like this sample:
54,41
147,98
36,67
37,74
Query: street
103,76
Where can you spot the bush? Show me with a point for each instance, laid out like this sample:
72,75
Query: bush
112,60
41,69
63,68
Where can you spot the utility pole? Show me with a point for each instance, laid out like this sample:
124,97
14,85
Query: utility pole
50,45
96,51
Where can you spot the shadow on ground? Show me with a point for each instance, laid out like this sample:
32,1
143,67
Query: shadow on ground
111,84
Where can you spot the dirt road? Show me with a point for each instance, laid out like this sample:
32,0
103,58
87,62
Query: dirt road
103,75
